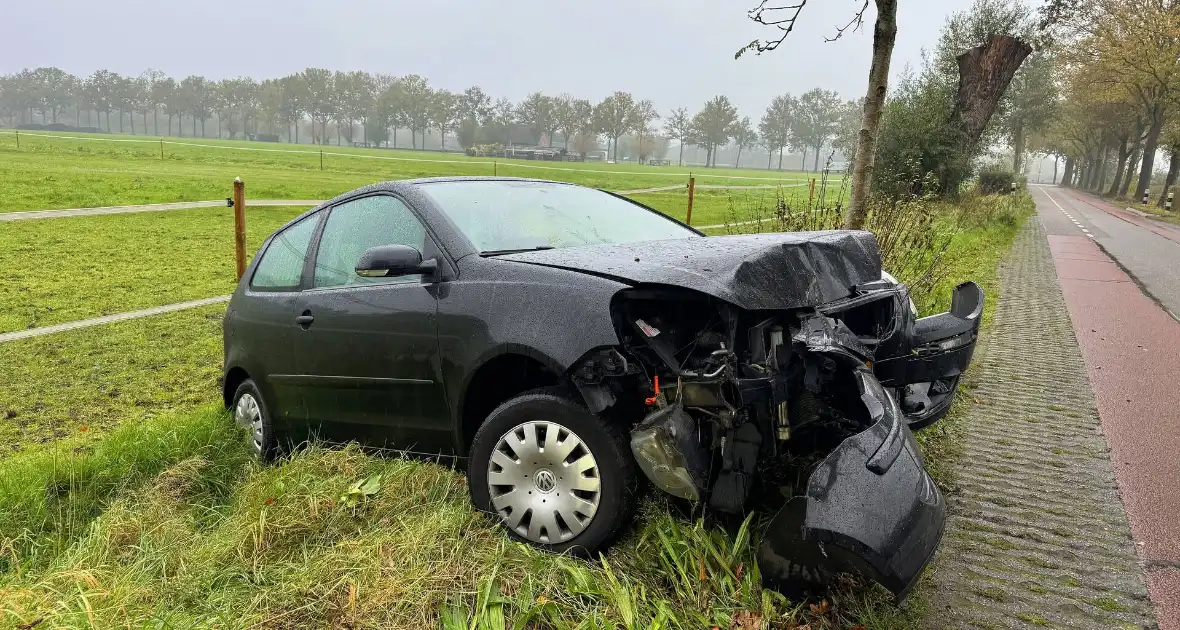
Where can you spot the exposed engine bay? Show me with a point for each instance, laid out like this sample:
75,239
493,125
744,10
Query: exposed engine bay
718,395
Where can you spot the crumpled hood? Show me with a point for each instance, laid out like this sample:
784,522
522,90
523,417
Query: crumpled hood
756,271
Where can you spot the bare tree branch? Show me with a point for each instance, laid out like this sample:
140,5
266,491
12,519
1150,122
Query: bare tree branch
767,16
855,23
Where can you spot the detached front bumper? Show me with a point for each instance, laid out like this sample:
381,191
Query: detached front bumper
870,508
927,359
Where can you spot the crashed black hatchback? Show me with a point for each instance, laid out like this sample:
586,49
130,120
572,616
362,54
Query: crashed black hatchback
566,342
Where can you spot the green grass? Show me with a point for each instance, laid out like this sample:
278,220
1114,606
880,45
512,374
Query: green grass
60,270
49,173
169,524
157,494
86,382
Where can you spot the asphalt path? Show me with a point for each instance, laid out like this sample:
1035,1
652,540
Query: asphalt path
1120,275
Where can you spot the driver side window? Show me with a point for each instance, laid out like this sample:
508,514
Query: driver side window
354,227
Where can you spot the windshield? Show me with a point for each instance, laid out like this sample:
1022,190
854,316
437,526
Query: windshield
500,216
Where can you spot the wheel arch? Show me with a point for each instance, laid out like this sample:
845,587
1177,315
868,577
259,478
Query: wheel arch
234,377
501,375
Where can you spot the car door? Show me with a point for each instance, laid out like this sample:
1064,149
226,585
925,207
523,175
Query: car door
367,347
259,330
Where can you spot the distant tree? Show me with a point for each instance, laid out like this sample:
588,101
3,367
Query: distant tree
126,95
175,105
317,86
50,90
678,126
816,121
539,112
503,115
270,105
101,90
352,96
156,83
585,142
445,110
391,106
570,114
713,126
848,120
615,116
296,100
775,126
475,112
744,136
418,97
199,99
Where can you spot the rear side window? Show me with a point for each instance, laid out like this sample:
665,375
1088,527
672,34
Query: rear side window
354,227
282,262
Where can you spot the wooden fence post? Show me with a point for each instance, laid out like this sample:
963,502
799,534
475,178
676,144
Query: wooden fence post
240,225
811,193
691,188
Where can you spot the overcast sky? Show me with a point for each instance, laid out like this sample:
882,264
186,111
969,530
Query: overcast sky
674,52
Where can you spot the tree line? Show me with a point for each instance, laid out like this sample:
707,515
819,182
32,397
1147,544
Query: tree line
371,108
1119,77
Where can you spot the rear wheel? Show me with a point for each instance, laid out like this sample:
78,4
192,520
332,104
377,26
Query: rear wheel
555,475
250,412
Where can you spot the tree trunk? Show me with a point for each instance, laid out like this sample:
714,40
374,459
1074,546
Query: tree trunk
738,163
203,128
984,74
120,120
815,163
1100,181
1017,146
1173,170
680,162
1131,162
769,159
803,164
1056,159
780,158
1124,152
1149,146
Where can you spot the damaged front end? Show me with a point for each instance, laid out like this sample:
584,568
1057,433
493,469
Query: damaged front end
725,399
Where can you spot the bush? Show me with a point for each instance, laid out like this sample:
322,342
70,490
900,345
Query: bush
995,182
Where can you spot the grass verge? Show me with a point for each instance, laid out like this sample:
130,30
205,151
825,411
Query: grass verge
166,523
60,270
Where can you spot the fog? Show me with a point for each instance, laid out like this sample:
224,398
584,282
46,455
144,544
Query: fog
676,53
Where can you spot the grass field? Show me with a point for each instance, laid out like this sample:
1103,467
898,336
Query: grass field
67,269
128,500
47,173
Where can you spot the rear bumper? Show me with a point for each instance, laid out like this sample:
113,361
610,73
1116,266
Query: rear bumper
870,508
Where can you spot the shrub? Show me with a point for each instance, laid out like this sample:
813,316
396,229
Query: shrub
995,181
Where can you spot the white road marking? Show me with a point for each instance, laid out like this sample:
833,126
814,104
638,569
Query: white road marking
108,319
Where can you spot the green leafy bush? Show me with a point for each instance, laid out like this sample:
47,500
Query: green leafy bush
995,182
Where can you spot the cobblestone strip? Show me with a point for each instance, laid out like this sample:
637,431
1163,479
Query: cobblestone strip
1037,535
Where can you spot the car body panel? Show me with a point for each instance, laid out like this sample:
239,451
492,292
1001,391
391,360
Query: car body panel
754,272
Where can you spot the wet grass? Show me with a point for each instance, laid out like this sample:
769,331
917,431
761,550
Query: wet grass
127,482
55,173
60,270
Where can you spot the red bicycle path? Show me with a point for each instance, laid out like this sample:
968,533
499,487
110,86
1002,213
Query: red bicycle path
1131,347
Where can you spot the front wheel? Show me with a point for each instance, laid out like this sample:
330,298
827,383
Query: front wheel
250,412
555,475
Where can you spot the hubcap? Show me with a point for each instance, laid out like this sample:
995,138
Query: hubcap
248,414
544,482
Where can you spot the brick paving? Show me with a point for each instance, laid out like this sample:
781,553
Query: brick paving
1037,535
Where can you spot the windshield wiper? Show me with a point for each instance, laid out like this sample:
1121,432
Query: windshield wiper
499,252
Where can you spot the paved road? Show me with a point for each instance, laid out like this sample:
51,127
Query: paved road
1149,250
1115,270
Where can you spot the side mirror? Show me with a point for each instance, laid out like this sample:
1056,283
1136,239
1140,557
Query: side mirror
389,261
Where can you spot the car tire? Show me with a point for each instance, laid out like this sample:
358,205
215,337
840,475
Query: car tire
536,414
251,413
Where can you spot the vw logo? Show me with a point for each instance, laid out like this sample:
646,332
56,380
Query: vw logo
545,481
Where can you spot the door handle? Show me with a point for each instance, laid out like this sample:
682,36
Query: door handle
305,320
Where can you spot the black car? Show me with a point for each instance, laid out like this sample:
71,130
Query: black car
563,341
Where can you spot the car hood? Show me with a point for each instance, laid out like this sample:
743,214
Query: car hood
757,271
